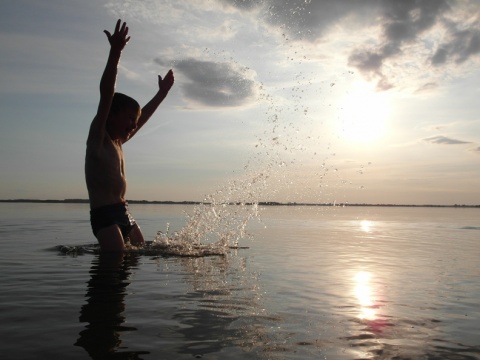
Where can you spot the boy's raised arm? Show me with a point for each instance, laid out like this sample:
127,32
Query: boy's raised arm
117,41
164,86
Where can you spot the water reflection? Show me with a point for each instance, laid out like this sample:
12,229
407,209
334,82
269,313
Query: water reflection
210,304
104,310
366,225
363,293
370,300
221,309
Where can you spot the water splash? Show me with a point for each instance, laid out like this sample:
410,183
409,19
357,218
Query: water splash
282,167
218,224
213,228
175,247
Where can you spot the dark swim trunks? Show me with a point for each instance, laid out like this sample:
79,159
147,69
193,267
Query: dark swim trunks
115,214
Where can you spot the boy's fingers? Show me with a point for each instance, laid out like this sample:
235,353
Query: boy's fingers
107,33
117,26
124,28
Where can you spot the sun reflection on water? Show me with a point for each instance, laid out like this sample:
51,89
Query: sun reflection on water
364,294
366,225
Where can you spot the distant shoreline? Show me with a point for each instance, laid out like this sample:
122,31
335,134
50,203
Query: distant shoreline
261,203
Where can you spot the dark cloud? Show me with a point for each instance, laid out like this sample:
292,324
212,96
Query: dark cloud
306,19
440,139
440,57
242,4
402,23
214,84
460,48
401,20
367,61
309,20
370,63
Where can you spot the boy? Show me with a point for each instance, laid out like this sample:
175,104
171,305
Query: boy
118,119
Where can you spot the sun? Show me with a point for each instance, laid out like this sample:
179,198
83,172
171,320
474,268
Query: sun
364,114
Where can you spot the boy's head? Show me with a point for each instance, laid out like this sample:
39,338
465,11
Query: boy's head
121,101
123,116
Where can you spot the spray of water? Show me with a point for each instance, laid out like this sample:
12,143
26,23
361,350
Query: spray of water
289,132
218,224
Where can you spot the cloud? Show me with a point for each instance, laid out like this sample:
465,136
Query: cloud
444,140
370,64
305,19
242,4
215,84
226,31
403,23
426,87
416,44
395,41
461,46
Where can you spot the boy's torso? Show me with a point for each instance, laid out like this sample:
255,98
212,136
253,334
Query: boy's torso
105,173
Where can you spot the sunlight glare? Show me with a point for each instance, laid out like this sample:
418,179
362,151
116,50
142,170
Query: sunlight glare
366,225
363,293
364,114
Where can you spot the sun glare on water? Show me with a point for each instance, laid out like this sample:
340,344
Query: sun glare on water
364,114
364,294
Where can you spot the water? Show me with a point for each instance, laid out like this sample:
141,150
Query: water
314,282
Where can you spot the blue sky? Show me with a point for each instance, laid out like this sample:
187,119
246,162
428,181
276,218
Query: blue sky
360,101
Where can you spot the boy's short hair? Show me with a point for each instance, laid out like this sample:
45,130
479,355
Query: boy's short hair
121,101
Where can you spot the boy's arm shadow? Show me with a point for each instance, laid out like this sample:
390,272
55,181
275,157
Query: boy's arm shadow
104,310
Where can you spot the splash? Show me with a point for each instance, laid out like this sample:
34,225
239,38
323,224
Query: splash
214,228
218,224
283,165
171,247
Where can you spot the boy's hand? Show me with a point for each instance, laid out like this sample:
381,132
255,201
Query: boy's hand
119,38
167,82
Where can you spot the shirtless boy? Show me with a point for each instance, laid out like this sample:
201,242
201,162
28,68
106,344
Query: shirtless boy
118,119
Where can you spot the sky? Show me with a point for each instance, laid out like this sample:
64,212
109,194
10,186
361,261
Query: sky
321,101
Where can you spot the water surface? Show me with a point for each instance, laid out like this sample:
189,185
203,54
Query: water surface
315,282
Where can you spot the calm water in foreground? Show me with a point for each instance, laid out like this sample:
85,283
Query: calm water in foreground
315,282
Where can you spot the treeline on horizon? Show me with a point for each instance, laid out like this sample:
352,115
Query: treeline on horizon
260,203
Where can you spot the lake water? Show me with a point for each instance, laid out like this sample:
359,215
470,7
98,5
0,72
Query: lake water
314,283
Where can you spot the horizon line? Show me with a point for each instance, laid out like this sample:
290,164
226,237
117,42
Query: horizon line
262,203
